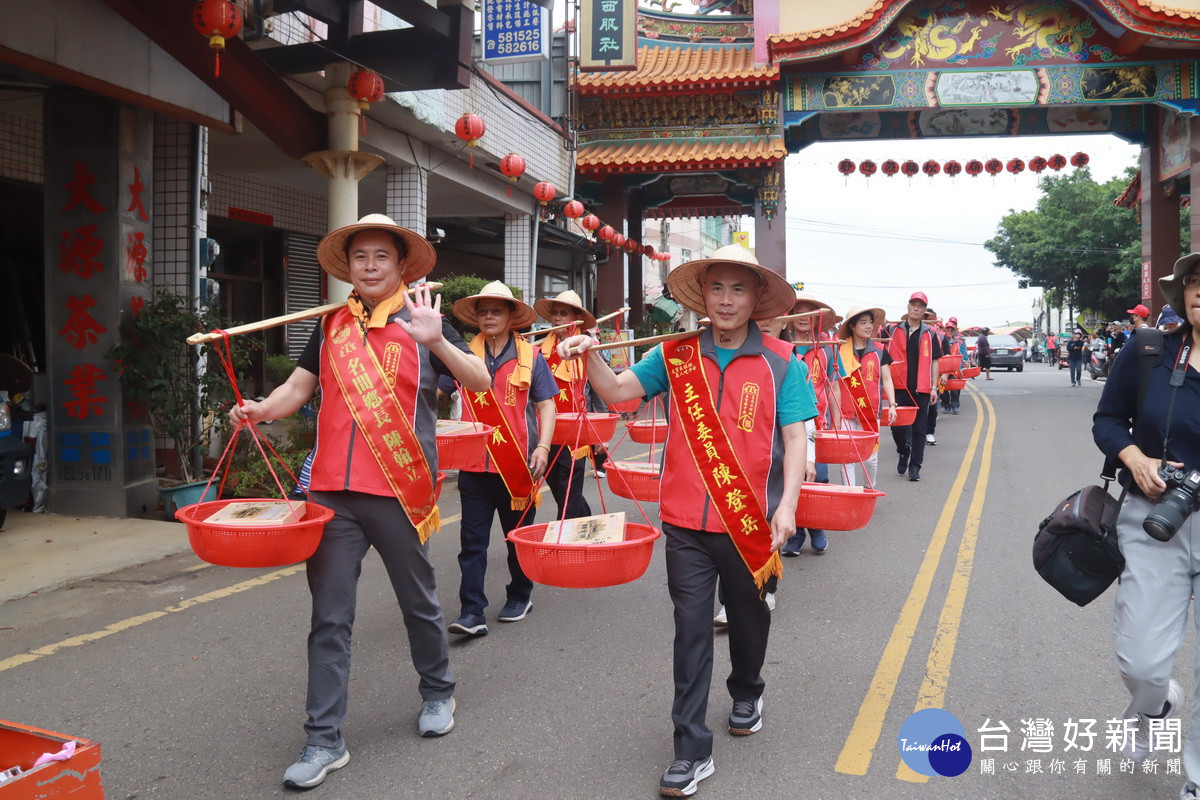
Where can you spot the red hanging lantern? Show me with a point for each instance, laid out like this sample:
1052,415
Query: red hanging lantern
470,129
648,250
545,192
974,167
890,167
867,167
910,168
931,168
1037,164
573,210
631,245
952,168
590,223
1015,165
218,20
618,240
1080,160
512,166
606,233
366,87
1056,162
993,166
846,166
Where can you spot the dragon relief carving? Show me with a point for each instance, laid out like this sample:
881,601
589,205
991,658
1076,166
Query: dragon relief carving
933,39
1046,27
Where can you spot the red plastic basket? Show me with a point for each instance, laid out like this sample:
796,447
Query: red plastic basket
970,372
625,480
844,447
270,545
573,430
905,415
584,566
826,508
949,363
956,384
626,406
463,449
648,431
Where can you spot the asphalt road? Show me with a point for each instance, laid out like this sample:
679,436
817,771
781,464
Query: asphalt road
192,677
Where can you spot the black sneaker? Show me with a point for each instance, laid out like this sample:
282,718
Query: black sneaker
469,624
902,465
746,717
683,777
515,610
914,474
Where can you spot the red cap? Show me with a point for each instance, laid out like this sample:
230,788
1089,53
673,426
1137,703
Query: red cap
1140,311
921,296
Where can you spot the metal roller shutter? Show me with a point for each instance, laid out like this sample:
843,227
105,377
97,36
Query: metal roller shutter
303,288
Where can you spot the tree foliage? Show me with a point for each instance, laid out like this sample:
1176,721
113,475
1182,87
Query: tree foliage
1083,250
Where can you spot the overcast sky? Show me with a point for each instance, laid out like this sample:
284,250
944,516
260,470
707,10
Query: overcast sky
873,242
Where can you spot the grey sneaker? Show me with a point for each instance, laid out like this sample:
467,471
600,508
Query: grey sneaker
682,777
314,763
437,717
721,619
746,717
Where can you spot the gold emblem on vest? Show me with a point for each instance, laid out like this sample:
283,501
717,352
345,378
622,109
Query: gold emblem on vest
340,334
391,362
747,406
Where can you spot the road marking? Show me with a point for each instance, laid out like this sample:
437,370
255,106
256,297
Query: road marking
937,669
856,753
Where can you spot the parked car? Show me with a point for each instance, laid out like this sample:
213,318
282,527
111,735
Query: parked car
1007,351
16,460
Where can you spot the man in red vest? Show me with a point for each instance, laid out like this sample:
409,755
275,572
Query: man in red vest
915,350
376,361
733,466
519,406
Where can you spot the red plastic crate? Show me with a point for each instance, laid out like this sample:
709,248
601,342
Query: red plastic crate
77,778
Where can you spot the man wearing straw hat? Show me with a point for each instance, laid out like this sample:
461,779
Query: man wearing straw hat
566,311
374,464
732,471
519,405
866,380
915,349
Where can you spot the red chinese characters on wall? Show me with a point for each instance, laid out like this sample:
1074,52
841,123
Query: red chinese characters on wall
86,401
135,191
80,189
135,256
136,304
81,328
80,251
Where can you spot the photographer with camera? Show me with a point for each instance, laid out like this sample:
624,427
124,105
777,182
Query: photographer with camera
1150,422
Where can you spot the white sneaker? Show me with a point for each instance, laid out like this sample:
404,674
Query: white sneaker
770,598
930,439
1138,746
721,620
1189,791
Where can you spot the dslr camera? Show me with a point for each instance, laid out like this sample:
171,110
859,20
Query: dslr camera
1181,498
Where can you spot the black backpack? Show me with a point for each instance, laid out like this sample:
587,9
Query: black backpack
1075,549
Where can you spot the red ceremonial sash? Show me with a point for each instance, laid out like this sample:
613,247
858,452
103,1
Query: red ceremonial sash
867,413
732,495
383,422
505,450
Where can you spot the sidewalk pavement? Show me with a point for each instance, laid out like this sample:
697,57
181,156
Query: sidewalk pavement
44,551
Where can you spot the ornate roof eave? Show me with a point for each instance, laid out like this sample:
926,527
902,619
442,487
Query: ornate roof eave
1156,19
696,70
679,155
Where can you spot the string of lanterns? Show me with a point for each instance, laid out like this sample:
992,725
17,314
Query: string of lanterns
932,167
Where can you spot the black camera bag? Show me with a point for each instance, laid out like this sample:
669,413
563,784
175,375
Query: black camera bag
1076,550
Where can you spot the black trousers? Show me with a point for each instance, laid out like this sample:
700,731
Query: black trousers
910,439
559,474
695,562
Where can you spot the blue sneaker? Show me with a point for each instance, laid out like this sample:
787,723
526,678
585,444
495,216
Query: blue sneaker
470,625
314,763
515,610
791,547
819,542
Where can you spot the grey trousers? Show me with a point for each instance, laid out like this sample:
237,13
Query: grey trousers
695,560
362,521
1152,601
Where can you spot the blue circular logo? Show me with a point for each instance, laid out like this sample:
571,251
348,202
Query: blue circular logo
933,742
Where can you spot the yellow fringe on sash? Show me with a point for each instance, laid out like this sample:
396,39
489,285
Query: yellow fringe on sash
430,525
774,566
522,503
581,452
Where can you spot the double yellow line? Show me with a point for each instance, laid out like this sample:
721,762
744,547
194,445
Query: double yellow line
857,751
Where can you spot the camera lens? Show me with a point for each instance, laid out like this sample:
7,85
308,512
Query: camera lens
1168,514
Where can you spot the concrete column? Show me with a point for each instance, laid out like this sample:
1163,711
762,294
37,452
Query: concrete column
610,277
341,164
408,197
1160,220
519,270
770,235
635,289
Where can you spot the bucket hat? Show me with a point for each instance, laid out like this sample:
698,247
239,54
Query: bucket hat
416,263
685,282
878,318
522,316
1171,286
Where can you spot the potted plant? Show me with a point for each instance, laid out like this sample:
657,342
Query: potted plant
182,389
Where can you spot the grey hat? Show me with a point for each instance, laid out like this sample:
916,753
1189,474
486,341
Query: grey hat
1171,287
